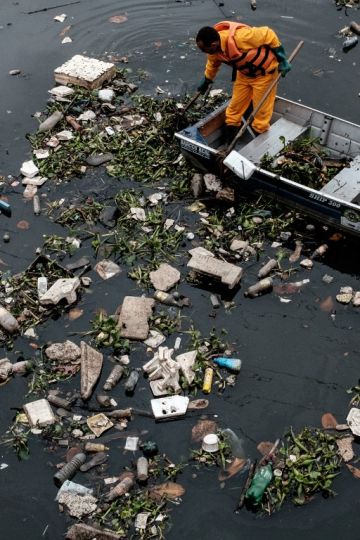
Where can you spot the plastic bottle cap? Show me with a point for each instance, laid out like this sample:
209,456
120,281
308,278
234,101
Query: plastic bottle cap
210,443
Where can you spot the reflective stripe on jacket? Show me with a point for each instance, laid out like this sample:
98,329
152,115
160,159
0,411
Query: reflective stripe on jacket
251,62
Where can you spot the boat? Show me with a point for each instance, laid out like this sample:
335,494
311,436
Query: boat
336,203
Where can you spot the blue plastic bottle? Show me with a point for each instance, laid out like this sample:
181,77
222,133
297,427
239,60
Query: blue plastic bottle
232,364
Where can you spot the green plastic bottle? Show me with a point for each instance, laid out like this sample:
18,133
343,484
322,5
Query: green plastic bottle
260,482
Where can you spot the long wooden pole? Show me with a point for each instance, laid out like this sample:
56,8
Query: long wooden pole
261,102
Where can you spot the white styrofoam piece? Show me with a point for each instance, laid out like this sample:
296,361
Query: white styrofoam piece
82,67
170,406
238,164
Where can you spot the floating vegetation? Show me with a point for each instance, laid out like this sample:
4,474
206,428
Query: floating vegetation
206,348
252,219
166,323
59,245
306,464
355,400
107,333
122,512
304,161
162,467
22,296
137,130
147,238
81,213
17,436
44,372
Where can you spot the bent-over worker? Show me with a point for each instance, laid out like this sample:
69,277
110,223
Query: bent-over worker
256,57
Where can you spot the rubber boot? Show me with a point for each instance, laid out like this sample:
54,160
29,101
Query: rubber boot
230,133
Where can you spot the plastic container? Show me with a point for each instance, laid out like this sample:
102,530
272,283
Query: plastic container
150,449
210,443
232,364
69,470
114,377
208,378
131,382
260,482
8,321
237,448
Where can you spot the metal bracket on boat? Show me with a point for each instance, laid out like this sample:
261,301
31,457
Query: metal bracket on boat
240,165
325,130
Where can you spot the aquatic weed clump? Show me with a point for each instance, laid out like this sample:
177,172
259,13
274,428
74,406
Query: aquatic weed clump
307,464
137,130
304,161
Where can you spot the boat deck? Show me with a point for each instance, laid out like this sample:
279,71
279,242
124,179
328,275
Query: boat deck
346,184
272,141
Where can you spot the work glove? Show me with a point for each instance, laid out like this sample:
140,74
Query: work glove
204,85
284,65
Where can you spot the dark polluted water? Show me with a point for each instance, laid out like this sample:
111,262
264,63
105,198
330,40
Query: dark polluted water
297,360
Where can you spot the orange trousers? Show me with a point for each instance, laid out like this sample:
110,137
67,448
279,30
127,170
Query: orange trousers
247,90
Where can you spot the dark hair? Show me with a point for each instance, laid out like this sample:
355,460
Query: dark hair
207,34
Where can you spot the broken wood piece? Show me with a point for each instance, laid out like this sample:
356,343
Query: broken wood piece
228,273
134,315
91,365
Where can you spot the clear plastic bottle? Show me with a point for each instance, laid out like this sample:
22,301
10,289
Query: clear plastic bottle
131,382
237,446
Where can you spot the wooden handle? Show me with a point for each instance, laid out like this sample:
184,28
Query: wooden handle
259,105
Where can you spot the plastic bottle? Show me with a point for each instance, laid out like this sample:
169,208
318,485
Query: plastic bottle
121,488
120,413
267,268
233,364
355,27
36,205
51,122
5,208
114,377
59,402
8,321
237,448
98,459
349,43
264,285
142,468
95,447
69,469
131,382
260,482
166,298
42,285
208,378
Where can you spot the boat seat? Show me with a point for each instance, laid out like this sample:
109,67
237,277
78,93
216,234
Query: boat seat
270,142
346,184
